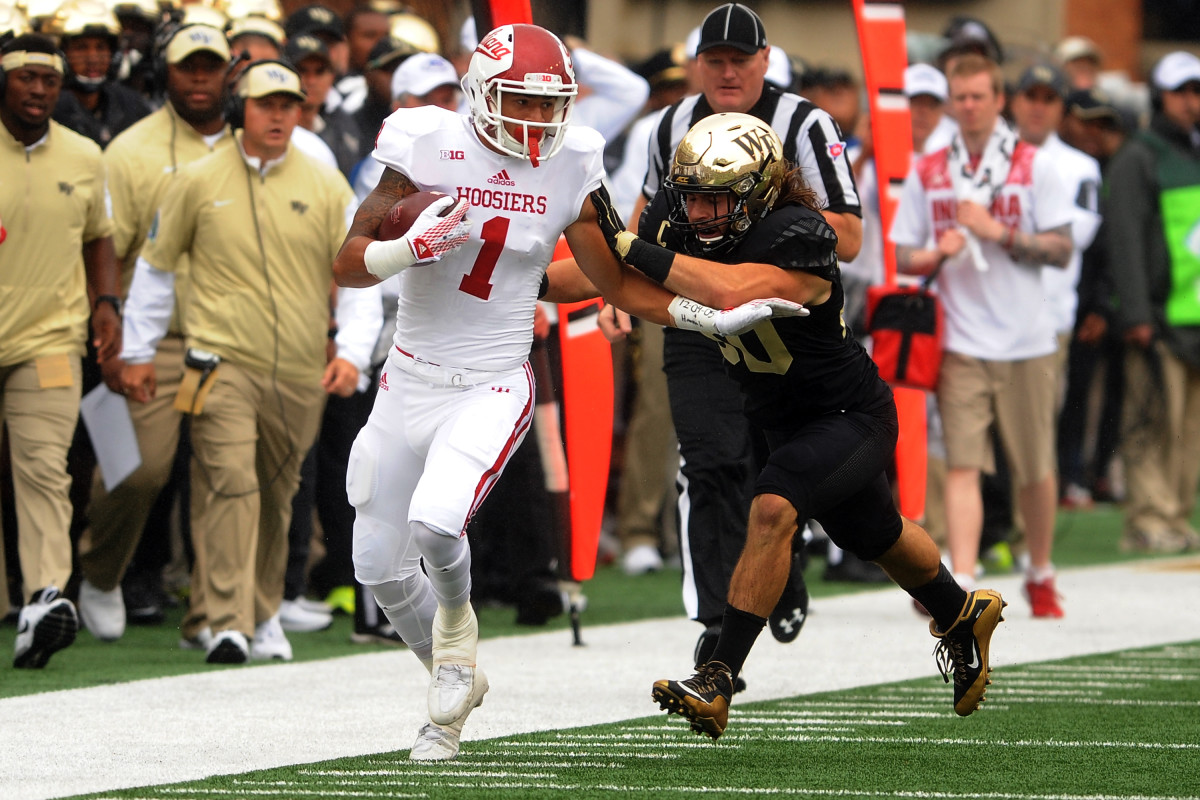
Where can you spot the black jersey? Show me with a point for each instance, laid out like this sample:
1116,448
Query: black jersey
791,368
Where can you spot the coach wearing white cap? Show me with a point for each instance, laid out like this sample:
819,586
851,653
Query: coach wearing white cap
425,79
1152,219
927,92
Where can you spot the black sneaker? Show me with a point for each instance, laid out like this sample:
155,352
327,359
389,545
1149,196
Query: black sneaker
964,648
791,611
703,698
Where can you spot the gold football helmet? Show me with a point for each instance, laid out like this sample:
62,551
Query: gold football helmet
404,26
736,155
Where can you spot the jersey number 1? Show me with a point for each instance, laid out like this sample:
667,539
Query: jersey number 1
478,282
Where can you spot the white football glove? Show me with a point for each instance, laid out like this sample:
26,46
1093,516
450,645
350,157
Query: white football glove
430,237
692,316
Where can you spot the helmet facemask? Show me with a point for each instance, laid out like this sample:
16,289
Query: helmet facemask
525,60
732,155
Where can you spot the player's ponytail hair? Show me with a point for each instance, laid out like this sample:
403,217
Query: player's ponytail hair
795,191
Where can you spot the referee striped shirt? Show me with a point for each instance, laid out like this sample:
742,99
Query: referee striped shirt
811,140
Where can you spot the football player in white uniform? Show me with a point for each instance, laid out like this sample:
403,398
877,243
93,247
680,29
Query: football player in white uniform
456,395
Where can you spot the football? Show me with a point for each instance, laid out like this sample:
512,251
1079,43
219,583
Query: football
401,216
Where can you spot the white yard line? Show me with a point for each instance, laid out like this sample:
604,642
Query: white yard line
232,721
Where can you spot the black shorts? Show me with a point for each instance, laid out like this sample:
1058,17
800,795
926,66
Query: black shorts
833,469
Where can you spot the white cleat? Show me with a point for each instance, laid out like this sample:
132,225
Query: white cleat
440,742
454,690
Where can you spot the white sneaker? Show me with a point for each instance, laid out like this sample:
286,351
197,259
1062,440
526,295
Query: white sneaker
200,641
270,643
228,647
298,618
44,626
103,613
642,559
315,606
440,742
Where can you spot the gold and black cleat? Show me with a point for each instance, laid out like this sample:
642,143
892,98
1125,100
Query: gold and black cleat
963,649
702,699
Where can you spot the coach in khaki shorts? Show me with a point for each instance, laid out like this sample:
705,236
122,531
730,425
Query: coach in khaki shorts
998,213
56,271
261,224
142,161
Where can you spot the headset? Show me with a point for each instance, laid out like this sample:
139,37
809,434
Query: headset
235,106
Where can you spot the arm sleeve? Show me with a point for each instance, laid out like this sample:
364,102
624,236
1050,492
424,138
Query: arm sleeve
910,225
1131,202
359,315
1054,199
822,156
99,221
147,312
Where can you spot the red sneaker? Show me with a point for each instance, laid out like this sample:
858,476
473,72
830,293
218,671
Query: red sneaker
1044,598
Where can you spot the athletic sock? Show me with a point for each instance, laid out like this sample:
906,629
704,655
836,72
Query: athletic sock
739,629
942,597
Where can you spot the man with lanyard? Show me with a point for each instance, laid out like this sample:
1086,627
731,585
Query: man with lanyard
998,210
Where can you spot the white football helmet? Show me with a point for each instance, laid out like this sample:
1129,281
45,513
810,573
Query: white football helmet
520,59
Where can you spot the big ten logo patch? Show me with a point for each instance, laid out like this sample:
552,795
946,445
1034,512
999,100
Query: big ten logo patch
452,155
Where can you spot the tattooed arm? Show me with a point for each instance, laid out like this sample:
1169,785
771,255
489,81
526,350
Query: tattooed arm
349,268
1052,247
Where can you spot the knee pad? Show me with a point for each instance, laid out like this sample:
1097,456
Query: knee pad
362,470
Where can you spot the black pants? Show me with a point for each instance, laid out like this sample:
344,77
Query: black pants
718,465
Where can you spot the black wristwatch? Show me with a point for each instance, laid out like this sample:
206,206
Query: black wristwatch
111,299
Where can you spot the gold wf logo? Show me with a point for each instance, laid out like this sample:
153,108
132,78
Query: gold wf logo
299,207
754,142
66,188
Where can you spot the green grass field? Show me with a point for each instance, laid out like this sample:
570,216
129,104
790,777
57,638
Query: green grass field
1120,725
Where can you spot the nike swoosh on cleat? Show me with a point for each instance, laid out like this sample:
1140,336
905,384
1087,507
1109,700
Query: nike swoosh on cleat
974,662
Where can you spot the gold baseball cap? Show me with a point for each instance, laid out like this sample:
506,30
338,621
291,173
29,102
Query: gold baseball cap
268,78
197,38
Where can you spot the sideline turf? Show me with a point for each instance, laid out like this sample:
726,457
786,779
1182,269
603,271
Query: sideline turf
1082,538
1121,725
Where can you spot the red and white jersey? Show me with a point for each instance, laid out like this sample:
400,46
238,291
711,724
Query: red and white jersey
1000,313
474,308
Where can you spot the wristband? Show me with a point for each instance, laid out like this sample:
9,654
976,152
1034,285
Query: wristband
651,260
383,259
688,315
111,299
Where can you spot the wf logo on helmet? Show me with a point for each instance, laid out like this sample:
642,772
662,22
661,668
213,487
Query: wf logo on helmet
494,48
753,142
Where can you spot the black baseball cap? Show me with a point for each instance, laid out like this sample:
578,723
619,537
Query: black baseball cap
305,46
314,19
664,68
1043,75
1092,104
732,25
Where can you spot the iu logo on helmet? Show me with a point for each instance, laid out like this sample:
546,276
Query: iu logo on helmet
494,48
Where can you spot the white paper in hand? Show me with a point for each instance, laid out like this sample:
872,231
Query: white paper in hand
109,426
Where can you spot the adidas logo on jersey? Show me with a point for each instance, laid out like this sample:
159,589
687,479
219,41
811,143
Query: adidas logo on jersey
501,179
383,384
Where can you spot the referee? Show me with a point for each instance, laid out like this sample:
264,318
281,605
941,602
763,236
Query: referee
719,451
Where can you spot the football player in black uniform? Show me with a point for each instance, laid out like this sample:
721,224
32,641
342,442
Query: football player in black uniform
736,223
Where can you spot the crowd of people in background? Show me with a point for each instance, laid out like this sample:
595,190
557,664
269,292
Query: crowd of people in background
1062,220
